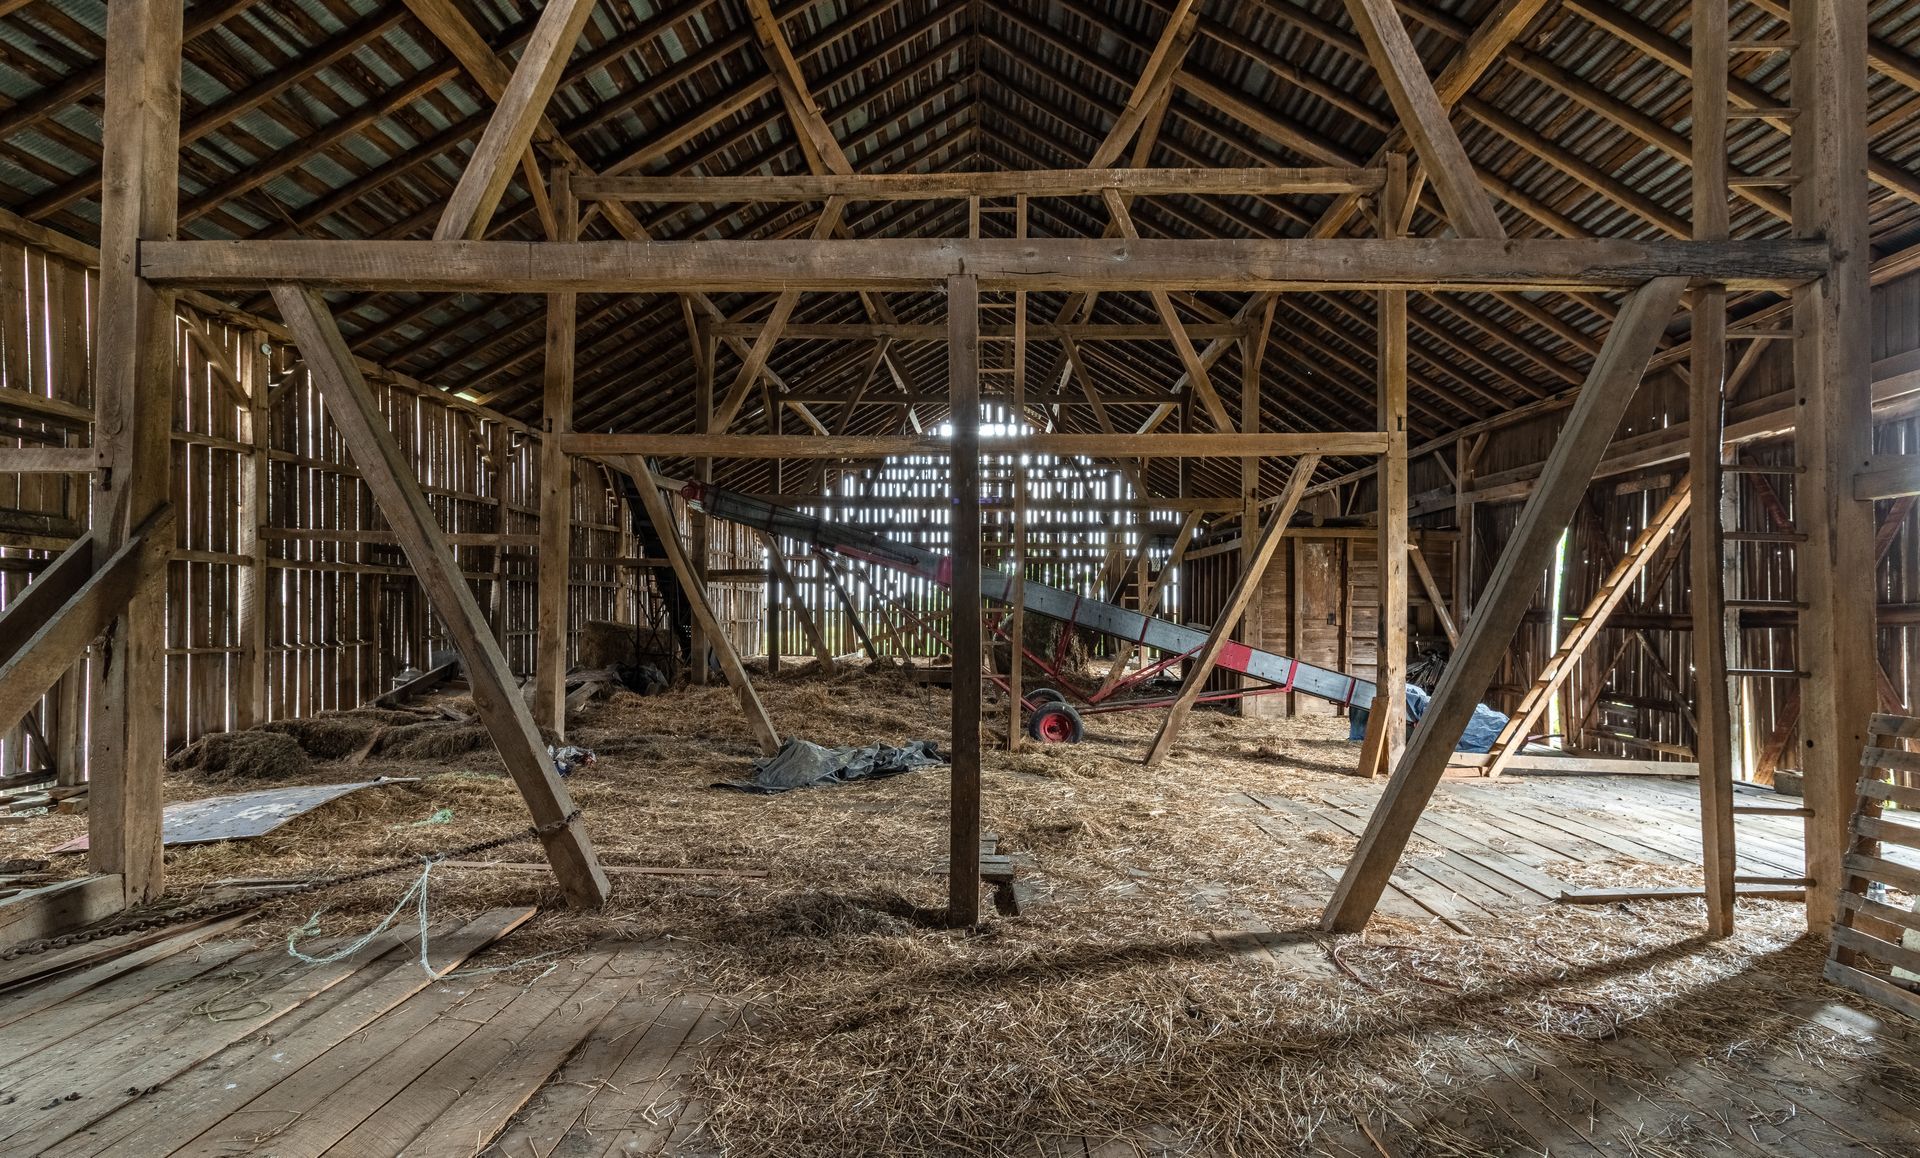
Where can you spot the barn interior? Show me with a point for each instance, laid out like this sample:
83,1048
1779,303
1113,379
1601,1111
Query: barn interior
1080,578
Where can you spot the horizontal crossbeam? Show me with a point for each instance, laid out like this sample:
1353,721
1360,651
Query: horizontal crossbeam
883,446
943,186
892,264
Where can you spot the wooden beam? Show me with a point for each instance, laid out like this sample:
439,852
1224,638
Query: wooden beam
1419,560
46,460
1348,442
60,908
552,629
852,613
1833,431
1887,476
1163,65
661,517
1424,118
45,629
135,381
822,151
1201,665
963,382
518,112
959,186
1190,362
937,332
1616,373
496,694
1714,635
904,264
755,360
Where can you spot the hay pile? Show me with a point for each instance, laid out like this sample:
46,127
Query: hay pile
250,755
1106,1011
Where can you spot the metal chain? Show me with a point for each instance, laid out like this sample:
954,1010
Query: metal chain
213,910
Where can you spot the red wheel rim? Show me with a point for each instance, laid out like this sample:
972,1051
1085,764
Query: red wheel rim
1056,727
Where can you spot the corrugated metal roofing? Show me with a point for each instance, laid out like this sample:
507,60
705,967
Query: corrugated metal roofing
348,119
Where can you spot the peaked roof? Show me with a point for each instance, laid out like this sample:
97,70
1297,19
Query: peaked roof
350,119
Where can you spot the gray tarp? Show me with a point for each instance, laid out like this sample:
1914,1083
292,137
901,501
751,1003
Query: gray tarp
1481,731
803,764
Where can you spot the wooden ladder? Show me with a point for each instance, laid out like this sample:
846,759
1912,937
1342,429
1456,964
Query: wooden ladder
1593,619
1867,932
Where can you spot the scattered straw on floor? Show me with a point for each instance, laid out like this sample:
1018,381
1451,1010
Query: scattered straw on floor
1106,1011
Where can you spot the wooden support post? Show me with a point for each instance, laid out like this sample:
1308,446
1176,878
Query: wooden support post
500,451
134,385
496,696
510,130
552,626
774,627
1253,352
1833,430
661,517
963,383
1017,621
699,526
1706,428
1200,667
1386,736
1583,439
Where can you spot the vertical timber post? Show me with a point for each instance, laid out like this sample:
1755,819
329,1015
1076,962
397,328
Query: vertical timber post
1252,625
1386,737
556,488
963,390
1017,621
134,385
1833,431
1706,427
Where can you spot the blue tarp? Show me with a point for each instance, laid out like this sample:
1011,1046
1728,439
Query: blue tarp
1481,731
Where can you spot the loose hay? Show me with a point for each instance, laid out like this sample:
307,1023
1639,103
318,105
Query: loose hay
1108,1011
247,755
432,741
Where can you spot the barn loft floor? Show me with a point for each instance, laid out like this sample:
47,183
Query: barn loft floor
1163,990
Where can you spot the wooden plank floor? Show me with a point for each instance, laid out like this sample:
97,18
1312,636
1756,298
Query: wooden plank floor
216,1044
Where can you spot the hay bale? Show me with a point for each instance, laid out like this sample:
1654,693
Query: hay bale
335,735
431,741
605,644
250,755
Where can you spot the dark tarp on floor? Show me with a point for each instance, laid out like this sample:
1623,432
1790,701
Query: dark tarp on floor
804,764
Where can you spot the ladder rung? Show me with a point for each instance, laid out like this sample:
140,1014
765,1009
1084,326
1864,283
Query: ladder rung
1759,810
1737,332
1766,604
1769,673
1759,468
1763,113
1762,45
1746,182
1783,882
1765,536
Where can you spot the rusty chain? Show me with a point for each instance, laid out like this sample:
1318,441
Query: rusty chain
213,910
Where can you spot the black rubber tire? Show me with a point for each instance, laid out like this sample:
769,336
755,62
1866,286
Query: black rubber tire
1045,696
1056,723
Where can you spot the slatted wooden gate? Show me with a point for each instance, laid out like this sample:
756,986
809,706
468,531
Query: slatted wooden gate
1869,932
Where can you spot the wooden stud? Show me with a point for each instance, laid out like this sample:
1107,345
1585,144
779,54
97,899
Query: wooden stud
809,626
1583,439
963,382
1201,665
496,695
